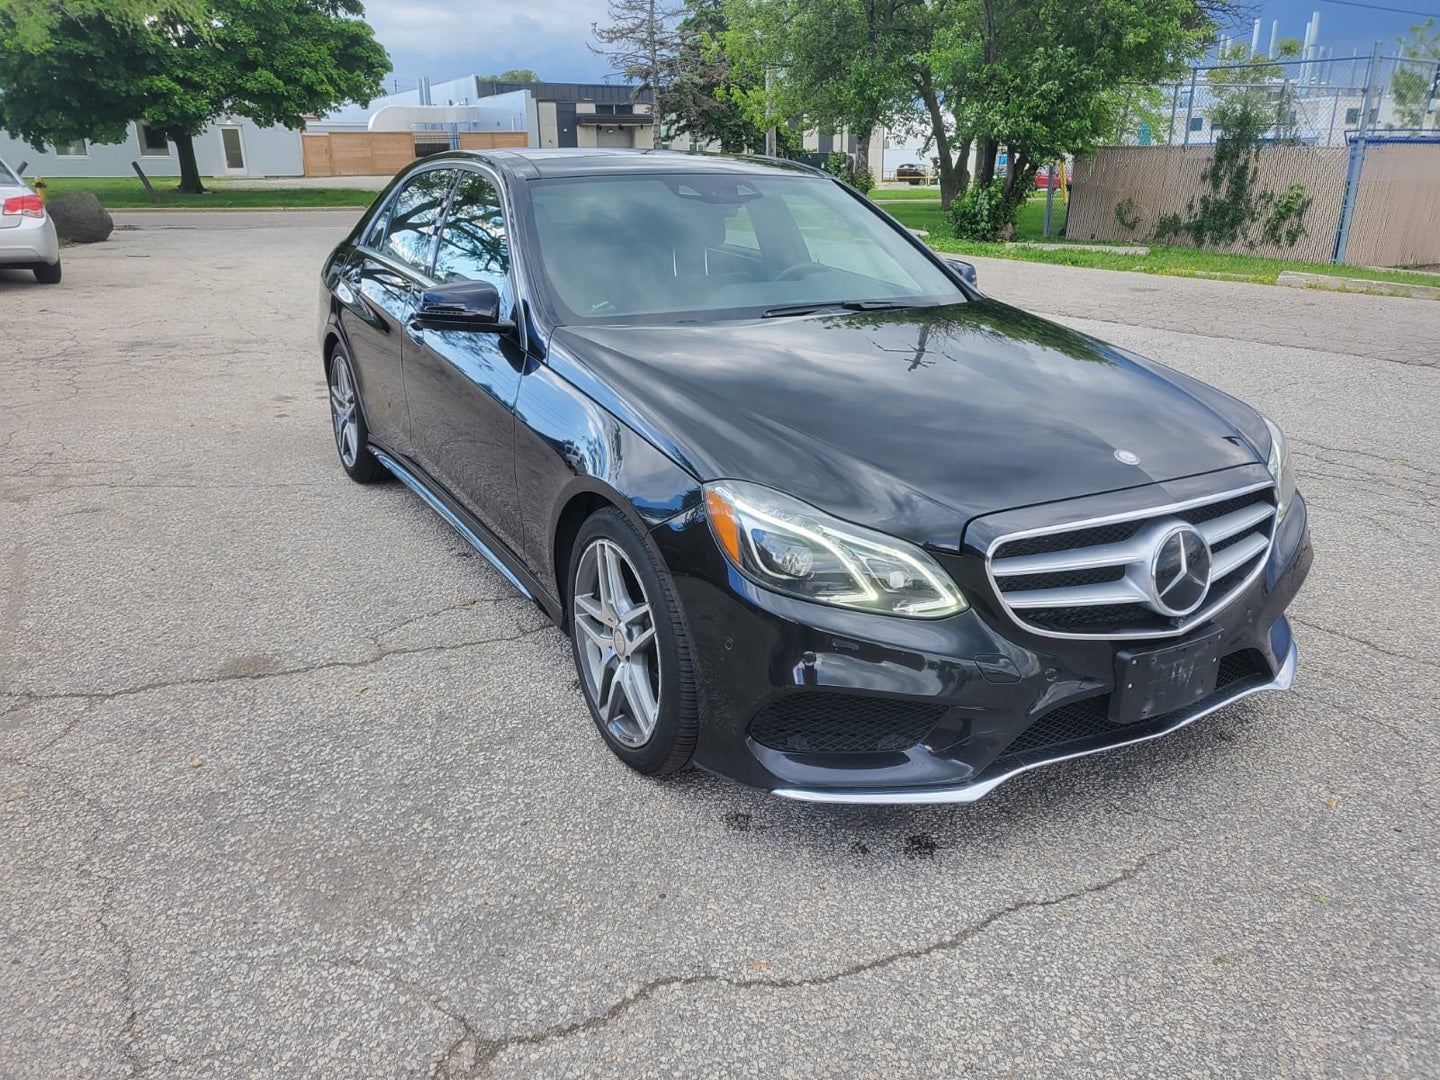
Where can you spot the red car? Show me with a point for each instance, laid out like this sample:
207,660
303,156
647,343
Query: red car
1043,178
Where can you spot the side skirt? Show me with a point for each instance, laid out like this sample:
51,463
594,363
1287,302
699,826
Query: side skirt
474,534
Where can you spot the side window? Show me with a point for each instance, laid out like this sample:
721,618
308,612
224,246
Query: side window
413,215
473,242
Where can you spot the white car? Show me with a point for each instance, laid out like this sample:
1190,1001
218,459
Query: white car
27,235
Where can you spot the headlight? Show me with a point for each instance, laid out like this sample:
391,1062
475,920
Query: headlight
791,547
1280,469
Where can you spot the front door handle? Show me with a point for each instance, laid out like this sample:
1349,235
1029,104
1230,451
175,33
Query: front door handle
415,330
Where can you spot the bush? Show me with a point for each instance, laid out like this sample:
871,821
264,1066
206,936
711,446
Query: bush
983,213
842,167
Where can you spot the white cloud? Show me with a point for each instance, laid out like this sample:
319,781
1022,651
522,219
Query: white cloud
446,40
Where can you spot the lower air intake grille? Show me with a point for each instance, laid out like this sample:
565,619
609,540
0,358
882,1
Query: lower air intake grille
1079,721
824,723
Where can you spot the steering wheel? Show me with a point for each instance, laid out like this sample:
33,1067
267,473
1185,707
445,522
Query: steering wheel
800,270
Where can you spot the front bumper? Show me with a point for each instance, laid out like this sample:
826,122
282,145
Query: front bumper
988,681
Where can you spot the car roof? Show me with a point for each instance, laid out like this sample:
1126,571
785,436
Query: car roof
533,163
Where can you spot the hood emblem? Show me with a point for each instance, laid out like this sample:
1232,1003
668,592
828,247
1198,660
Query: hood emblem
1125,457
1179,571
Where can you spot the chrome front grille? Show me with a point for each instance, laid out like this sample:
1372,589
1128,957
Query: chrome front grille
1105,578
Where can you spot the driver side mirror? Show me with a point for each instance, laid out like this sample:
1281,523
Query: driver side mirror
963,269
461,305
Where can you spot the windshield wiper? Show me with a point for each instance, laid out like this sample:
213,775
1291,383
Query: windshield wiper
835,305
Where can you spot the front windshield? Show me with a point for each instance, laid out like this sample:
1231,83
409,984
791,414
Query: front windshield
715,244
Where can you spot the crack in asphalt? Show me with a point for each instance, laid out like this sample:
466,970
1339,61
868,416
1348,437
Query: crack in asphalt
1365,642
129,1034
381,654
483,1052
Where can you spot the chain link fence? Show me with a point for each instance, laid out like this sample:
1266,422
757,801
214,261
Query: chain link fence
1328,160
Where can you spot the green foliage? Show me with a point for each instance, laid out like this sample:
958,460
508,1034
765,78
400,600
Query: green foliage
119,192
983,212
1223,215
1286,219
847,168
31,24
273,61
1126,214
707,92
513,75
1045,78
1412,81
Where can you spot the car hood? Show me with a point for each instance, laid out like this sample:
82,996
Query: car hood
912,420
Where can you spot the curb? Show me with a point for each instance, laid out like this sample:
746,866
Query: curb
1296,280
1107,249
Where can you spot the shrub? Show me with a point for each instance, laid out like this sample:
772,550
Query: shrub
983,212
842,167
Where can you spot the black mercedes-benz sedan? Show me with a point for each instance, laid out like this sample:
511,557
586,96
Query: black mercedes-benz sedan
815,513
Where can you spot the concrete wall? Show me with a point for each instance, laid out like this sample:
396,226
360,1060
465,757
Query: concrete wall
273,151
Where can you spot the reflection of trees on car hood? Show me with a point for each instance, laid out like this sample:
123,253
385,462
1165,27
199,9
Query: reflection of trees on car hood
952,327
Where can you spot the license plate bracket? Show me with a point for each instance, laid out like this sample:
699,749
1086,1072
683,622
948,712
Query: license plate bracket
1153,682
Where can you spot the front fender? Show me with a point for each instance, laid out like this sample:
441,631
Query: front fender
571,453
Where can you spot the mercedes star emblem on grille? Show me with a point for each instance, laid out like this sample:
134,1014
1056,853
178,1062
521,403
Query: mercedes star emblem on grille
1180,571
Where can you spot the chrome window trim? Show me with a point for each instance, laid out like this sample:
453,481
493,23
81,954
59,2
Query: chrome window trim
1189,622
968,793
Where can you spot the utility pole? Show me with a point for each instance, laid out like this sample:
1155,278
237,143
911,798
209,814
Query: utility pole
770,131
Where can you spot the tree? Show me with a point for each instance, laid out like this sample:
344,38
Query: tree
834,63
273,61
513,75
1254,97
1414,83
1041,77
641,41
705,96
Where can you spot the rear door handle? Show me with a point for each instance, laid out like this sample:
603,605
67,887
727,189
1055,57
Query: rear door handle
415,330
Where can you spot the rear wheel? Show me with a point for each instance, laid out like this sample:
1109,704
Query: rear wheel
631,650
349,422
47,273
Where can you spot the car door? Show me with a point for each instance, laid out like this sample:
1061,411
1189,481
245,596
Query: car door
383,278
462,384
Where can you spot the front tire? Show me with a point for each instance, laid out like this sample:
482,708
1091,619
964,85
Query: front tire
348,420
47,273
631,650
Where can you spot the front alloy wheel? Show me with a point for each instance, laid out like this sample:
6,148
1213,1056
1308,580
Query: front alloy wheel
631,651
616,635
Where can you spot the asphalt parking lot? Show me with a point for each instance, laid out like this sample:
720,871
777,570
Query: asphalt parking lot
293,785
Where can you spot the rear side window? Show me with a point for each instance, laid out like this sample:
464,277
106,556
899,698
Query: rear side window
413,216
473,242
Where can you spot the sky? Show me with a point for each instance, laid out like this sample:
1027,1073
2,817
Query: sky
481,37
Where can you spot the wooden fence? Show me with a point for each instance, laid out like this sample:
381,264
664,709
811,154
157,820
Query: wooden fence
1122,192
380,153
